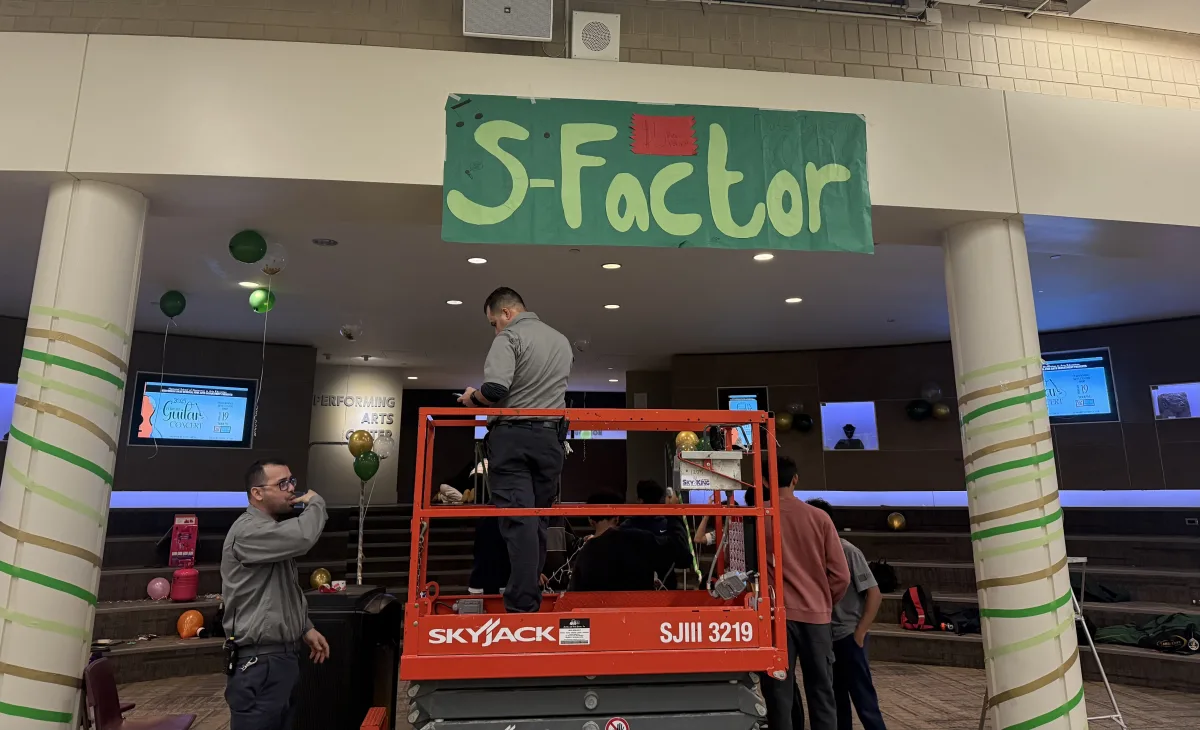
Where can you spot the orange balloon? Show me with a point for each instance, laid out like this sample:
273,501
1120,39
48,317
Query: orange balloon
189,624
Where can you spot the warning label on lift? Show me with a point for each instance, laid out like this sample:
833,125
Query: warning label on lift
617,723
574,632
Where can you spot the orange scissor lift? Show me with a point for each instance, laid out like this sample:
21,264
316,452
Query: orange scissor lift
594,661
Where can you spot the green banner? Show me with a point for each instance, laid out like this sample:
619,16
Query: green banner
613,173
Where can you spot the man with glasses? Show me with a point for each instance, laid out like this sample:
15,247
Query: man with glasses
527,367
266,615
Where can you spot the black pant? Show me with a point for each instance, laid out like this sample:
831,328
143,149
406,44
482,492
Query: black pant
525,460
852,684
489,567
812,644
259,693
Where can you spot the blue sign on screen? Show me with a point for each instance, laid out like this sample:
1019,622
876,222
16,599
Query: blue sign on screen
183,412
1077,386
745,433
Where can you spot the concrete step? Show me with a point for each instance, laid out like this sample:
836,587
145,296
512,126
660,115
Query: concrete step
385,564
401,549
1079,521
1160,552
166,656
1100,614
129,584
1124,665
129,619
398,534
449,581
139,551
1177,587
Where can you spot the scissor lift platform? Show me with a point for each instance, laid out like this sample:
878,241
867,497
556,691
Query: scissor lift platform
659,656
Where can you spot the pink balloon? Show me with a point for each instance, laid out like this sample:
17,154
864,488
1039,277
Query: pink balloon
158,589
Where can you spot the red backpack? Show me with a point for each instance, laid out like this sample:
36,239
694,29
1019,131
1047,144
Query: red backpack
917,612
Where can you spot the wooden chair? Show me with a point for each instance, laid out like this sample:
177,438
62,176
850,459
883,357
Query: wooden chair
100,687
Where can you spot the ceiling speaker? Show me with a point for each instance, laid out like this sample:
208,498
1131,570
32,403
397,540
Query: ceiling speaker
521,20
596,36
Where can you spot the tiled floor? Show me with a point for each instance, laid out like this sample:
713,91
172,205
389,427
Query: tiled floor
913,697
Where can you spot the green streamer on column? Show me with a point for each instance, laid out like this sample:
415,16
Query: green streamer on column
32,713
1060,711
47,448
44,580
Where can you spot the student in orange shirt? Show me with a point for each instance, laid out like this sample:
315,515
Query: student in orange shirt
815,577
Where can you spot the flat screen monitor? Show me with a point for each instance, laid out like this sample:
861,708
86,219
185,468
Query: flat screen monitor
849,426
1079,386
580,435
8,399
1171,402
190,410
743,399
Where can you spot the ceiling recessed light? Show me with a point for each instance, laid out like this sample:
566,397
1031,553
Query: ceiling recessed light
324,242
612,306
610,368
1056,257
793,300
611,267
476,260
613,380
763,256
412,377
453,302
249,285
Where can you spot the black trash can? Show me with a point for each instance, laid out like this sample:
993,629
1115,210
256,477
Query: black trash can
363,626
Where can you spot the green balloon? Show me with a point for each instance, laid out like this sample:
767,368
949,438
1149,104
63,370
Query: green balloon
172,304
366,465
262,301
249,247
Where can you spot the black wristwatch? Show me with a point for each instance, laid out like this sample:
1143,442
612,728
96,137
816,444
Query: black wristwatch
475,399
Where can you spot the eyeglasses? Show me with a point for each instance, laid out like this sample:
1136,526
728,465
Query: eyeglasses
283,484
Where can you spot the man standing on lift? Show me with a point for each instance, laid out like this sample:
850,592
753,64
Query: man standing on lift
527,367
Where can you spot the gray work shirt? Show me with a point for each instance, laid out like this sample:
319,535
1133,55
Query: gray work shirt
849,610
263,601
533,360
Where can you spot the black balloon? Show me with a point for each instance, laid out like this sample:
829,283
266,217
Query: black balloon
802,422
918,410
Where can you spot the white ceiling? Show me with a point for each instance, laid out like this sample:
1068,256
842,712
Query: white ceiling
1180,15
393,274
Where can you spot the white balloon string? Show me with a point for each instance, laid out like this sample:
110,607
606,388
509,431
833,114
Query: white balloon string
162,366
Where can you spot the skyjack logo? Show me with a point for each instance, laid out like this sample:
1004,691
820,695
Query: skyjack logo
492,633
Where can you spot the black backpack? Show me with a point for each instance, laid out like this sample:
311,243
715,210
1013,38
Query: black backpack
960,620
885,576
917,612
1185,640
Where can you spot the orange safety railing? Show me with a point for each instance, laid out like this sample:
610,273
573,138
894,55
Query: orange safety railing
585,634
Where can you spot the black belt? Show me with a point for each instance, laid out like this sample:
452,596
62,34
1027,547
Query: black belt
526,424
253,650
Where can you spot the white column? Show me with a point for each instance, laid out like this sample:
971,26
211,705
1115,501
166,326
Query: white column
1033,674
62,448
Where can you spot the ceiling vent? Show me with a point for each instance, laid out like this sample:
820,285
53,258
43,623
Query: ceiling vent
521,20
596,36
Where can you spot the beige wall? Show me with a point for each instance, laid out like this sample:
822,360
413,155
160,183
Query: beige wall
974,47
347,398
334,112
